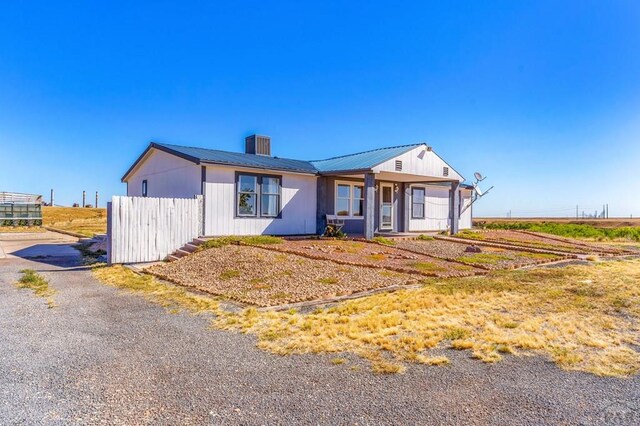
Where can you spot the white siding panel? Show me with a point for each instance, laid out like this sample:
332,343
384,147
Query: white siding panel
167,176
436,210
466,217
419,161
298,206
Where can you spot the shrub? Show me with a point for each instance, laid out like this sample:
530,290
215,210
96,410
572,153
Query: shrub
333,232
225,241
384,241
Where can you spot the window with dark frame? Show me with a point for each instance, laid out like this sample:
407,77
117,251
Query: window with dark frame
270,196
417,203
258,195
144,188
349,200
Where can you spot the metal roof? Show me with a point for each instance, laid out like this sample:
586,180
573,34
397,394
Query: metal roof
203,155
362,160
19,198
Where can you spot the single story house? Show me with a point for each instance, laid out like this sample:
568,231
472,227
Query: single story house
398,189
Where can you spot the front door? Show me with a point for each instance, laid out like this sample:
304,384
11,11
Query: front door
386,207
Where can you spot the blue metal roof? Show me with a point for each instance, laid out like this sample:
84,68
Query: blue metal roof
238,159
362,160
352,162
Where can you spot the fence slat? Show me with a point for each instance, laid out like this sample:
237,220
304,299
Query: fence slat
146,229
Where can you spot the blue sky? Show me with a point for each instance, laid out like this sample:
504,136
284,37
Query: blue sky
543,97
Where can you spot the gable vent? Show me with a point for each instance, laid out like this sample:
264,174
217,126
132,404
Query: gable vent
445,171
398,165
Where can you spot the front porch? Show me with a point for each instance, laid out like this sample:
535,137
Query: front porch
392,205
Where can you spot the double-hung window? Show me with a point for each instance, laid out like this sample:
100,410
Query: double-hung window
258,195
417,203
349,200
270,196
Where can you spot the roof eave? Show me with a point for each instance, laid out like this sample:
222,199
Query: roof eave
248,166
159,147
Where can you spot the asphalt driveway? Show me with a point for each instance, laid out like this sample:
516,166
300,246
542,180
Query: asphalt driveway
104,356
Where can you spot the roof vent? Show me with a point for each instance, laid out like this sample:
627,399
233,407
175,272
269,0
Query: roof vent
259,145
445,171
398,165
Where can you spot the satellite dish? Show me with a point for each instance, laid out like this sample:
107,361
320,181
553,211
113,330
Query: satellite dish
478,176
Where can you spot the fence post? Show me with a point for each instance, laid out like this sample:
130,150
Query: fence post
109,234
200,199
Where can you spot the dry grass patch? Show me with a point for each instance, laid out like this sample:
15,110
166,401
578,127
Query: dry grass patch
32,280
18,229
169,296
583,318
83,221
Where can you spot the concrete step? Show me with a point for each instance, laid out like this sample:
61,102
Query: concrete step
199,240
190,247
172,258
181,253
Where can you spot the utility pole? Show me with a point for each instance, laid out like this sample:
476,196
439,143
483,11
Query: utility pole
51,199
84,198
577,212
96,204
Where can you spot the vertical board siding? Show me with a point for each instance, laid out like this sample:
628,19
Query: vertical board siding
166,176
419,161
298,203
436,210
149,229
466,216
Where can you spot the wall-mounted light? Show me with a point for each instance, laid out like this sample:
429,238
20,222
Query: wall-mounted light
396,188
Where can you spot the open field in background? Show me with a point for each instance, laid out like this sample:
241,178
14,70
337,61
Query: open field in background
618,229
83,221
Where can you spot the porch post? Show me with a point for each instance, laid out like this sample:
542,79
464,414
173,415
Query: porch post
406,211
369,205
321,204
454,207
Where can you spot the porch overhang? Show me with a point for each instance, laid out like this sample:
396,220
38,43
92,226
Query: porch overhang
390,177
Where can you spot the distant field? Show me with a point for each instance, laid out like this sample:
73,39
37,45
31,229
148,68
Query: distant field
617,229
76,219
598,223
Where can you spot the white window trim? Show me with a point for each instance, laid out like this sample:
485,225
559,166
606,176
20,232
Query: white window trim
351,184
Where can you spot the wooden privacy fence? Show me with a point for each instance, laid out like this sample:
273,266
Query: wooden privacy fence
141,229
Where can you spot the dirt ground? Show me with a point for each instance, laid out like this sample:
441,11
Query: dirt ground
542,241
107,356
265,277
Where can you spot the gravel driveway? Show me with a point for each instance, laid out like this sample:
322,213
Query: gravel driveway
104,356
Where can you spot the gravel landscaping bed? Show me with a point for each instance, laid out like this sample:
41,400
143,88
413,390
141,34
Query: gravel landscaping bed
375,255
267,278
487,257
540,241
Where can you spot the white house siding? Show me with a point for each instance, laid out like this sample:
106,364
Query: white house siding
436,210
419,161
465,219
298,204
167,176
